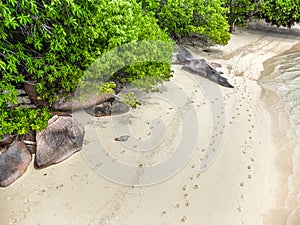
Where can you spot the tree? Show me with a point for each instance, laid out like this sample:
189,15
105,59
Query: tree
241,11
52,42
184,18
277,12
281,12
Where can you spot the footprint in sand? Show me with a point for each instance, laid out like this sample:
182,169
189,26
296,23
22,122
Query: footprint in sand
163,213
187,203
183,219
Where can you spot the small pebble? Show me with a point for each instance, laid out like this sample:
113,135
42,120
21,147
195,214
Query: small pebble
122,138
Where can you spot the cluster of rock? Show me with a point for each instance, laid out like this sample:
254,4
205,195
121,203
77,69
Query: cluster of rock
58,141
64,135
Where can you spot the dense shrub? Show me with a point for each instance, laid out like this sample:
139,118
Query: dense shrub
52,43
281,12
182,18
241,11
276,12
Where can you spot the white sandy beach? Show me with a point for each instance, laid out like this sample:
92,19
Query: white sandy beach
245,133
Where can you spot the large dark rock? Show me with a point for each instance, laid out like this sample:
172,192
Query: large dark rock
62,137
200,67
13,163
64,104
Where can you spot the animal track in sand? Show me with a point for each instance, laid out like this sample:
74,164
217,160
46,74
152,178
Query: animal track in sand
186,203
163,213
183,219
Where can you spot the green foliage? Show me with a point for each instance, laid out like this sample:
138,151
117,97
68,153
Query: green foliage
53,42
182,18
281,12
139,76
21,120
130,99
277,12
241,11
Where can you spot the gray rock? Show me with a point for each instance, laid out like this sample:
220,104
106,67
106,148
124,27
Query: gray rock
200,67
24,100
119,107
103,109
62,137
181,55
108,108
6,140
21,92
214,65
13,163
64,104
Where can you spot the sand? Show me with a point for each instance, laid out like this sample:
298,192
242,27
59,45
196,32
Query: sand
198,154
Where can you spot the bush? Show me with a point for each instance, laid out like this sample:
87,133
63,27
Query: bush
52,43
184,18
281,12
241,11
276,12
